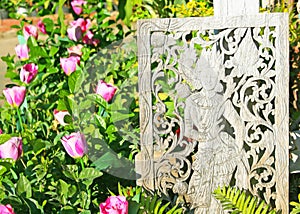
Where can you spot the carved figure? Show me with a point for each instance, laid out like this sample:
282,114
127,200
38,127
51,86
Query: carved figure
208,117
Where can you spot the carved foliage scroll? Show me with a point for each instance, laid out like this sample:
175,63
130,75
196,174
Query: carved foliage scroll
214,107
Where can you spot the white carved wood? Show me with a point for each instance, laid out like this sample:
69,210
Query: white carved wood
235,7
214,107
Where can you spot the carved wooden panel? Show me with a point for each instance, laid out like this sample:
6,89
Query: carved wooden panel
214,107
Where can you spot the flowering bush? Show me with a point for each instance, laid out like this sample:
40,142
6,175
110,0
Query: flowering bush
69,108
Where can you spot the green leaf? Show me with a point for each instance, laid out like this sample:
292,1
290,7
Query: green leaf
133,207
118,116
64,187
2,170
89,173
24,187
53,51
4,138
48,24
21,39
67,210
34,206
107,160
75,80
61,17
71,171
100,121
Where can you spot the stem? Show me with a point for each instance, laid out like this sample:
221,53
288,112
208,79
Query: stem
82,164
23,162
20,119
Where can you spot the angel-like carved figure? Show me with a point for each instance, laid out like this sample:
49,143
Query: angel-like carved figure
214,126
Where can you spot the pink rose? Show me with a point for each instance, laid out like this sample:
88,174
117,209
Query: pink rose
74,33
69,64
15,95
106,90
114,205
75,144
84,24
6,209
60,115
30,30
75,50
11,148
22,51
77,6
41,27
28,72
89,39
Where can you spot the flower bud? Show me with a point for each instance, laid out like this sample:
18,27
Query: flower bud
106,90
28,72
15,95
11,148
75,144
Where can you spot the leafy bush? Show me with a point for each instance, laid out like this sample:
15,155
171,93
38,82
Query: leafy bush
67,123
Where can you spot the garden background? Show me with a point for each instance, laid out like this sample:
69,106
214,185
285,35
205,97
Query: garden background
69,110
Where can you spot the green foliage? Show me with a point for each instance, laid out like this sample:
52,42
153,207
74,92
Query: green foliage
141,202
296,206
237,201
193,8
46,179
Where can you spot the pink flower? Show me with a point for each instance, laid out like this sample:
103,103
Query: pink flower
69,64
77,6
106,90
28,72
22,51
114,205
41,27
30,30
59,116
74,33
11,148
6,209
15,95
75,50
89,39
75,144
1,132
84,24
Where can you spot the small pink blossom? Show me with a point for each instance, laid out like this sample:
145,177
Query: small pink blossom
28,72
77,6
1,132
75,50
69,64
6,209
114,205
84,24
41,26
30,30
106,90
15,95
75,144
11,148
60,115
89,39
22,51
74,33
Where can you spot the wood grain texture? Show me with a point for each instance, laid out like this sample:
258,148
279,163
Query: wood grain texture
214,107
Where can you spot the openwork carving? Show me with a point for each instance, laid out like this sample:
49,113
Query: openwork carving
214,107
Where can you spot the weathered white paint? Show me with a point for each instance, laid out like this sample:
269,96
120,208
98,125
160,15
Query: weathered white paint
236,7
251,101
